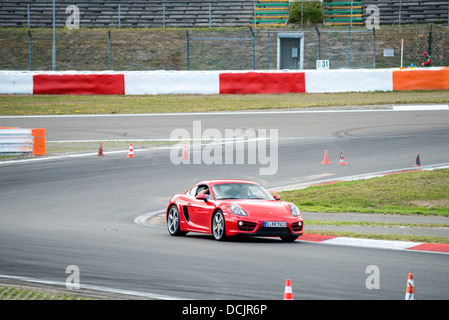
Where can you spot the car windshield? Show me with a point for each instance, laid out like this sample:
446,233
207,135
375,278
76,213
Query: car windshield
240,191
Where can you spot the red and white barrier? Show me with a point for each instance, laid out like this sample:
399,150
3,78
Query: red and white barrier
357,80
223,82
172,82
262,82
78,83
16,82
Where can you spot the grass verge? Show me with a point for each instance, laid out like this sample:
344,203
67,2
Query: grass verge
421,192
10,292
113,104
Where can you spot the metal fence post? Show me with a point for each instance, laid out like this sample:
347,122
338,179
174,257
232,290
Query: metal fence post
31,49
319,42
163,15
268,53
429,48
254,48
349,34
188,50
302,14
400,11
28,16
54,39
110,51
374,50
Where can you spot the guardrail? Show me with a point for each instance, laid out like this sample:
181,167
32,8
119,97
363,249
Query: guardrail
232,82
15,141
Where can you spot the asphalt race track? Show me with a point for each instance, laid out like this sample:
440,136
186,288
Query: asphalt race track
81,211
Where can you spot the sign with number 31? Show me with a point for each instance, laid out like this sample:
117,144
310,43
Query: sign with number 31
322,64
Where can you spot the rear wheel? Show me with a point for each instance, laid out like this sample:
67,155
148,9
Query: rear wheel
173,223
218,226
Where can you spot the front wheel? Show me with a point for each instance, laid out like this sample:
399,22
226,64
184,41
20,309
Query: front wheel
173,223
218,226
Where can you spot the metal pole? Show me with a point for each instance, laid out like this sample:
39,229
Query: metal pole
268,66
163,15
31,49
188,50
400,11
110,51
349,35
254,48
28,16
429,48
374,50
54,39
319,42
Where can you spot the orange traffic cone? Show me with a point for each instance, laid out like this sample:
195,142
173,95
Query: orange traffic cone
100,150
342,159
326,158
288,293
185,156
131,151
410,292
418,161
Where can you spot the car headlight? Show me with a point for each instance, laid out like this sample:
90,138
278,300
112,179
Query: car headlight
237,210
294,210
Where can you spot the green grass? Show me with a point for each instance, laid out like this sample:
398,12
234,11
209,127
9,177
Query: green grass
23,293
113,104
423,192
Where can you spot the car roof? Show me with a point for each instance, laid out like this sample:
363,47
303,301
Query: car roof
220,181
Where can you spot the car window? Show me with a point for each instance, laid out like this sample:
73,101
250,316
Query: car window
240,191
192,191
203,189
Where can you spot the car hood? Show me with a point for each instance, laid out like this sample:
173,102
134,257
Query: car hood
264,209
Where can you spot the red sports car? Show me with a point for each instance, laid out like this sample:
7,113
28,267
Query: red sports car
232,207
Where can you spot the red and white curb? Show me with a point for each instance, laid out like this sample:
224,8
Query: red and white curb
372,243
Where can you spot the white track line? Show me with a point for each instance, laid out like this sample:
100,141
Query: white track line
95,288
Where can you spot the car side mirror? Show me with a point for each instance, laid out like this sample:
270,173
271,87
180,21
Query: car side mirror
276,197
201,196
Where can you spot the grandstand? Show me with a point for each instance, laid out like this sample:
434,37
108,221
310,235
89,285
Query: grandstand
129,14
211,13
411,11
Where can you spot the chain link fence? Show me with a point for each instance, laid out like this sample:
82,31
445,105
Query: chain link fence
217,49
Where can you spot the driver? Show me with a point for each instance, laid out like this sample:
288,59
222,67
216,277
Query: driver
244,192
206,192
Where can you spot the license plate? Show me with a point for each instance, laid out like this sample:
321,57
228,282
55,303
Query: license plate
275,224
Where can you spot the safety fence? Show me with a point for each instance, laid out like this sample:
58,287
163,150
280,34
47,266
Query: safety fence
224,49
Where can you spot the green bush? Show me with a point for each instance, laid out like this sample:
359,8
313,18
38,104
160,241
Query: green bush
312,13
